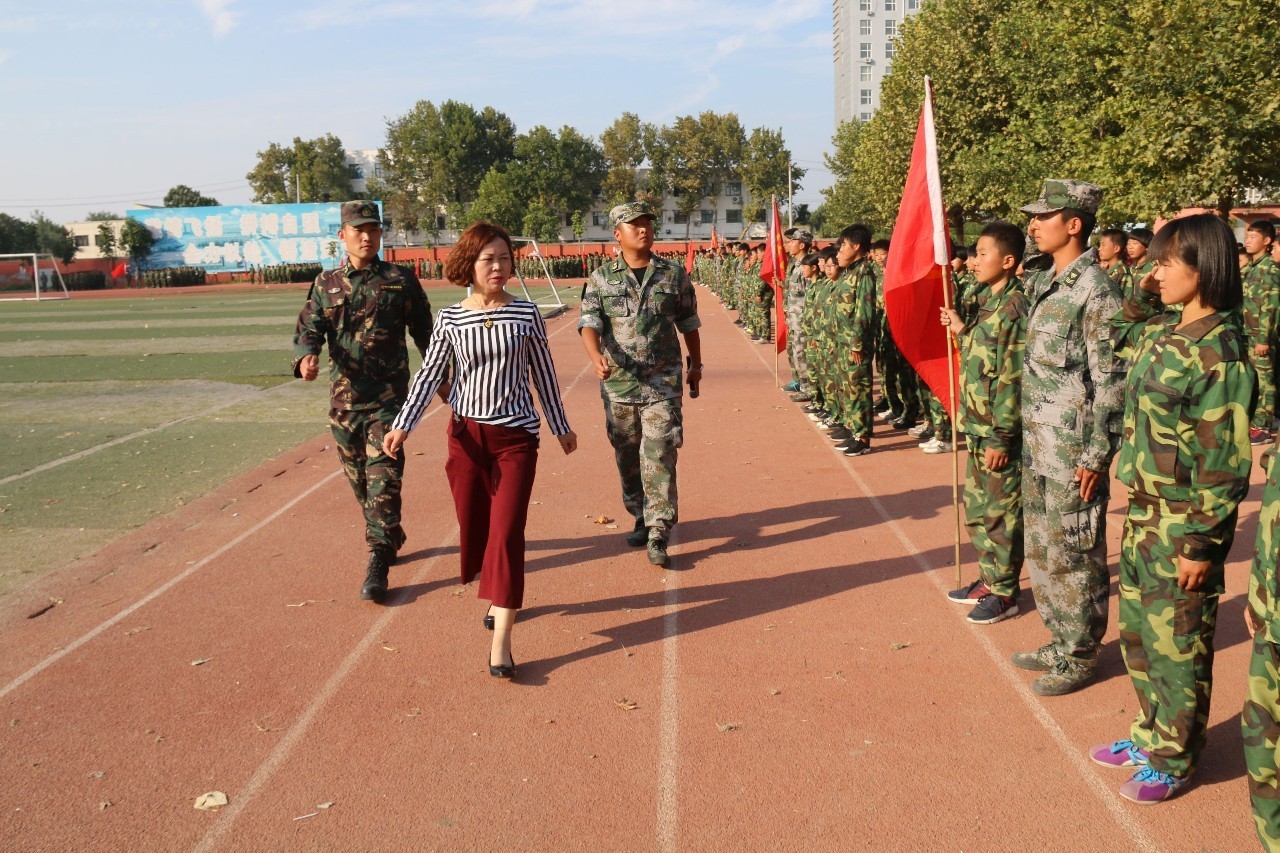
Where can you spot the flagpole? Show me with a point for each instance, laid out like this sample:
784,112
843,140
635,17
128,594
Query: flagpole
773,214
955,409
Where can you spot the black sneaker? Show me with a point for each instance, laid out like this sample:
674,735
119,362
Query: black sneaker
971,594
839,434
882,405
375,579
857,447
903,422
657,553
801,397
993,608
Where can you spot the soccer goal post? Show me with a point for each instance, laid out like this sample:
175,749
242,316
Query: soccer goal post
31,276
548,309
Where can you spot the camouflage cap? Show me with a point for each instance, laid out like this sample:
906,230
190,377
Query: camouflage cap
359,213
804,235
1059,194
630,211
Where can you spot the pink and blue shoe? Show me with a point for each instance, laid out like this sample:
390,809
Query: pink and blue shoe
1120,754
1149,786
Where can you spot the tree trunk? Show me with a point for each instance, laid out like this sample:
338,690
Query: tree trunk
1226,201
956,215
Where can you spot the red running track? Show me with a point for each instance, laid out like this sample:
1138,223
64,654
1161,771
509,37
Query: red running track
798,679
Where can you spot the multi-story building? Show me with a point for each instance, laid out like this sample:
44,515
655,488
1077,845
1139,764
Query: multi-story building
864,37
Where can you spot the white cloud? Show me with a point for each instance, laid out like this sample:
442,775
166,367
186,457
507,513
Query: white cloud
220,15
5,56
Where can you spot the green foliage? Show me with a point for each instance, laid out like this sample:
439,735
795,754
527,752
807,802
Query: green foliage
136,241
314,170
16,235
105,240
764,171
53,238
102,216
183,196
623,147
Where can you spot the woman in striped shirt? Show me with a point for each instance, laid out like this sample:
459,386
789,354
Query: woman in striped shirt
496,345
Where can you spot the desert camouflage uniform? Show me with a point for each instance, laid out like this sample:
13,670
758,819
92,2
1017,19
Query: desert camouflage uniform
1261,307
1072,412
638,323
856,312
362,315
1260,719
1185,459
991,348
795,308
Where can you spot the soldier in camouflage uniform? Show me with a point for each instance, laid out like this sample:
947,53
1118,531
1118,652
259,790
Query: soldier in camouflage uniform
855,306
991,327
1185,459
1260,719
1111,255
1072,410
362,311
1262,322
632,309
815,303
796,242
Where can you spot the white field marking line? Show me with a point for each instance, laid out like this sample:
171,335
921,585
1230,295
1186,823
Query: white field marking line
160,590
669,722
299,729
284,747
1084,769
131,436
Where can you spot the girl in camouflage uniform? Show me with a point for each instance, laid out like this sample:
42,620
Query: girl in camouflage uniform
1185,459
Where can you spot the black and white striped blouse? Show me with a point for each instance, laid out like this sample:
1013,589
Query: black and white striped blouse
494,353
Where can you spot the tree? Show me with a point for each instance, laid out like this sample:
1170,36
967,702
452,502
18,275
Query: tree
52,238
439,156
725,144
102,216
765,164
848,199
16,235
183,196
623,147
137,241
310,170
105,240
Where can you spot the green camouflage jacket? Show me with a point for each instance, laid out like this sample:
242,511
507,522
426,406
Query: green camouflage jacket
1261,299
796,285
363,315
1072,380
1130,290
855,305
1189,397
1264,580
991,347
638,324
817,306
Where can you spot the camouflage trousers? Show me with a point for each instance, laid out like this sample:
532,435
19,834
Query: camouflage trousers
897,378
937,414
1065,541
1264,416
856,401
375,477
796,346
1260,725
993,514
1166,636
828,382
645,439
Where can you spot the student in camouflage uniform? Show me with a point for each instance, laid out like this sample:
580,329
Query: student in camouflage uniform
824,341
1072,405
816,295
1262,322
1111,255
856,308
1260,719
991,327
1139,265
1185,459
796,242
632,309
362,311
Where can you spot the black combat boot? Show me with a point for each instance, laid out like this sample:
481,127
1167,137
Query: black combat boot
375,580
639,535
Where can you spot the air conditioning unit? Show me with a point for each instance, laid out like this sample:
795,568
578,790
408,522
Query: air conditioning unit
737,199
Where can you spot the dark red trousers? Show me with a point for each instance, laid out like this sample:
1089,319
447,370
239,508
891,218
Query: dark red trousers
491,471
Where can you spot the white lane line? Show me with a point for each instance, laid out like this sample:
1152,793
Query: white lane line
160,590
299,729
1072,751
669,722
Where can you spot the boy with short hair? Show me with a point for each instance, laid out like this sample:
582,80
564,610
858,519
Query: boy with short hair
991,335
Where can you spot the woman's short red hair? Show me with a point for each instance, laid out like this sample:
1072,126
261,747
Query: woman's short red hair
461,263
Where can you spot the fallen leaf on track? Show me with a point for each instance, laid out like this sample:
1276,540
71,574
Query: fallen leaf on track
603,519
305,816
302,603
626,704
200,661
327,805
899,646
728,727
210,801
133,631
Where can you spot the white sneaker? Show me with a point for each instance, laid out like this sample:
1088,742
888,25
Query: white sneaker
918,430
933,445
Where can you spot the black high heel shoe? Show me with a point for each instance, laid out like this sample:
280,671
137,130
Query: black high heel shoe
488,619
503,670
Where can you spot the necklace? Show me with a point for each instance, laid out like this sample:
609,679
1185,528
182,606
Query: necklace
488,312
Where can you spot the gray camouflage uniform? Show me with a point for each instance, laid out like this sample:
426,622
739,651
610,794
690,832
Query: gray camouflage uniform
639,323
1073,413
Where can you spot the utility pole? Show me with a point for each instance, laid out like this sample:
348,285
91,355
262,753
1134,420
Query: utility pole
297,188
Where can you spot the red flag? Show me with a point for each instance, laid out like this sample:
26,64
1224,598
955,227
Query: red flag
688,258
915,288
118,270
773,269
715,241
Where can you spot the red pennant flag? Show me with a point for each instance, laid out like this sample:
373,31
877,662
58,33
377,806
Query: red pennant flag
915,288
688,258
119,270
773,269
715,241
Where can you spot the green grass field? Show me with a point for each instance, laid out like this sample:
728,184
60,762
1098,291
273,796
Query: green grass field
198,387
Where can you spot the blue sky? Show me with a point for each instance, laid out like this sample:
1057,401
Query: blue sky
111,103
